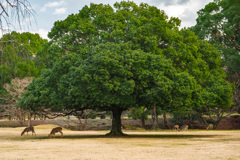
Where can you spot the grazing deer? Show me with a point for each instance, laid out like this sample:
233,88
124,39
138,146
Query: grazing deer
184,127
210,126
28,129
176,127
55,130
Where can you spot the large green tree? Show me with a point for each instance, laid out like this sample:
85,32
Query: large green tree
113,59
219,23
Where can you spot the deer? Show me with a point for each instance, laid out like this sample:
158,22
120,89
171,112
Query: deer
210,126
184,127
28,129
176,127
55,130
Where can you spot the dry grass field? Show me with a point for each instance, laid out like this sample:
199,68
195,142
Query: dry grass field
139,145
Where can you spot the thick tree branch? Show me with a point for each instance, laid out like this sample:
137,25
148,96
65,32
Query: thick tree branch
4,11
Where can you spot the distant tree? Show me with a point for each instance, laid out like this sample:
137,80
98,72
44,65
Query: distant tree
18,51
17,60
219,23
139,113
113,59
217,99
15,91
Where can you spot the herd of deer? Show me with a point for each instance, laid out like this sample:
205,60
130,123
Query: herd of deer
59,129
185,127
52,133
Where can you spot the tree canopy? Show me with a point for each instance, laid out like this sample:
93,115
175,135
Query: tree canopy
218,23
17,63
122,57
17,55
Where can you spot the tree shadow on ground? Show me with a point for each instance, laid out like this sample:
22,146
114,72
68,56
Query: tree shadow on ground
132,136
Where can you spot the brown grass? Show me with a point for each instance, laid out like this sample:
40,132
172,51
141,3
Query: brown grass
139,145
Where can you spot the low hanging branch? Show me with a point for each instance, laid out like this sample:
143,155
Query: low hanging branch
81,113
52,115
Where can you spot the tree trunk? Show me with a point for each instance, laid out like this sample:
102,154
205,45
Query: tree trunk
203,119
116,130
155,118
29,122
165,121
143,122
29,119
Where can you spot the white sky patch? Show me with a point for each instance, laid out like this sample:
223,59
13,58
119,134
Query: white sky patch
52,5
3,31
186,12
43,33
188,17
60,11
55,4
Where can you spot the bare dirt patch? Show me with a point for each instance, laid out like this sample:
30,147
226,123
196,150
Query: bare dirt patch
141,145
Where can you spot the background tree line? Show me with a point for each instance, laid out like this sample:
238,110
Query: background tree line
219,23
18,65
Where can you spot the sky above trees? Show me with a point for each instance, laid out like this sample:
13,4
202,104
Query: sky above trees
47,12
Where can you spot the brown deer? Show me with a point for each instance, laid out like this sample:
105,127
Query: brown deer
55,130
176,127
184,127
210,126
28,129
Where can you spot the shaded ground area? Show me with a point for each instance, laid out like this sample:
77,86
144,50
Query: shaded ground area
105,124
93,145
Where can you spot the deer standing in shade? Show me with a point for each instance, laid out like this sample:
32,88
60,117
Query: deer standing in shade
28,129
184,127
176,127
55,130
210,126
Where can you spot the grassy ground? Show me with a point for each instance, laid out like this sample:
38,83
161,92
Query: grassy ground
139,145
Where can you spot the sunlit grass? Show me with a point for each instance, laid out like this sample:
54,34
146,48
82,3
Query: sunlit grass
161,144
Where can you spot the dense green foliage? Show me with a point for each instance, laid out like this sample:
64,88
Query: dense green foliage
17,55
122,57
219,23
17,59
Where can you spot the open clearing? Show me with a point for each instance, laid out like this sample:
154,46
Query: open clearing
139,145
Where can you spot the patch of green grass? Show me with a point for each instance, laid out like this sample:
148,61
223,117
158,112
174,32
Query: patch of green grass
145,145
226,140
129,127
7,147
180,144
232,158
48,126
171,136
